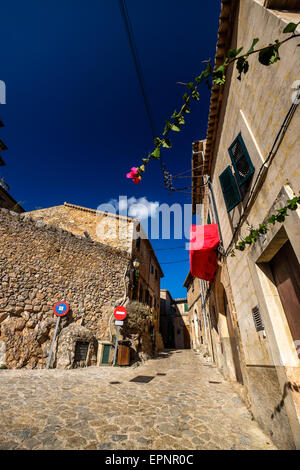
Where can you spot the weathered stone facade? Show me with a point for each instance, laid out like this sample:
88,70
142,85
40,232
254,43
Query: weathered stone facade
41,265
253,332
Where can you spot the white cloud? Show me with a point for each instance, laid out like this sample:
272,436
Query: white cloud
139,208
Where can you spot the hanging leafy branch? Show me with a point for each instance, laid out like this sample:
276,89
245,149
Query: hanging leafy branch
267,56
263,228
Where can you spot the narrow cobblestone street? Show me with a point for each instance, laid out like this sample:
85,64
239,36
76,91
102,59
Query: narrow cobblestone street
186,405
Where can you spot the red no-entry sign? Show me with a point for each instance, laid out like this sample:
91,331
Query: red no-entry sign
120,313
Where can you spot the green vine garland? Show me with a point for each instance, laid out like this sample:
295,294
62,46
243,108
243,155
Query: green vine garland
263,228
267,56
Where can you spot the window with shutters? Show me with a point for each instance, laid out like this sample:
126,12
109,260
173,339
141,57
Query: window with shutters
229,189
241,161
235,185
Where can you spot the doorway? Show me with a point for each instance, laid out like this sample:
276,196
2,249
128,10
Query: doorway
286,273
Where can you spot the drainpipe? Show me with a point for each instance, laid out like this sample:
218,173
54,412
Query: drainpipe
214,208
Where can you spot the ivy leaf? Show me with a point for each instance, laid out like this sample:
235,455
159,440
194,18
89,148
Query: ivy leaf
180,119
199,78
167,143
272,219
248,240
290,28
145,160
167,127
186,109
254,42
263,228
190,85
175,127
242,66
156,153
195,95
208,70
234,52
293,203
157,141
219,75
240,246
142,168
269,55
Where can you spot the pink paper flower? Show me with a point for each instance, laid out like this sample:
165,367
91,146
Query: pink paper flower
134,175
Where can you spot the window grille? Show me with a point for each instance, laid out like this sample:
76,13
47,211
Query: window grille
259,326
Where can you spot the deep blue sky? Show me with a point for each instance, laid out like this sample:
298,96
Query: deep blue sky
75,122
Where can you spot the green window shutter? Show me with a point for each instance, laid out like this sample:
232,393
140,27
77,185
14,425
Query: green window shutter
241,160
229,188
186,307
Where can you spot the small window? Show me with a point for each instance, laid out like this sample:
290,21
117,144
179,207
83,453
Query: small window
259,326
152,269
138,244
208,219
186,307
156,274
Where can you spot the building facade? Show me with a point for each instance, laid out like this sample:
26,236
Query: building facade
182,324
167,314
122,233
6,200
250,170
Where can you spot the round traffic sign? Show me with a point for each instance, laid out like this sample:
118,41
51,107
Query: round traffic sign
120,313
61,308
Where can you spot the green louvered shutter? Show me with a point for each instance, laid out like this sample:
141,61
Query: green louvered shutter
229,188
241,161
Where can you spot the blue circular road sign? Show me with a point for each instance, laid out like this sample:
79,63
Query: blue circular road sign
61,308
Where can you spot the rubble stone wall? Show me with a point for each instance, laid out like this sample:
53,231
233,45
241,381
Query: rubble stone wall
41,265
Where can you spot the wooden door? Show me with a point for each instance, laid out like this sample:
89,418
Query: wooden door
286,271
106,351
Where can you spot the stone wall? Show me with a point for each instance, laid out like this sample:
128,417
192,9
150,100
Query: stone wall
41,265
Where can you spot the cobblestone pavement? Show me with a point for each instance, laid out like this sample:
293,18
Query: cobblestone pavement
189,406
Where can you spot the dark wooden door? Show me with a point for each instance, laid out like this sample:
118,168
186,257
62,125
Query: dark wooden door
286,271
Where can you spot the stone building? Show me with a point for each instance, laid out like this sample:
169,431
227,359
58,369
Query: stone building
6,200
120,232
53,255
182,324
167,313
250,167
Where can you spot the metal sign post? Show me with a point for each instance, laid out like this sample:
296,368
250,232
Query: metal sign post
60,309
116,345
120,313
53,342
